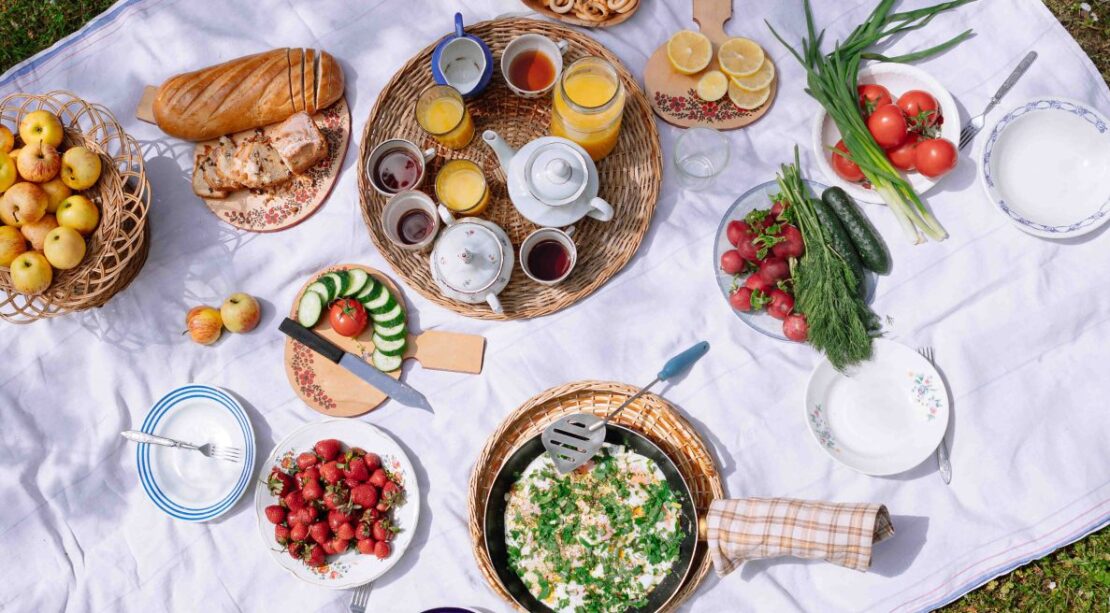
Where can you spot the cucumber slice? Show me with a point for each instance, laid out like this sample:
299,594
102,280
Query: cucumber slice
385,362
358,281
378,298
321,289
309,309
388,307
391,332
367,290
334,284
392,317
344,281
387,346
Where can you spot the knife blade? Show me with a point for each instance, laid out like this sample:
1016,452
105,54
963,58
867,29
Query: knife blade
393,388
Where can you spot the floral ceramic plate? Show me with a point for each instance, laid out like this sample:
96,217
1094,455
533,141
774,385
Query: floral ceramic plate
349,569
881,417
295,201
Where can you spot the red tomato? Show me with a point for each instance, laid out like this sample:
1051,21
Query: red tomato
348,317
921,109
793,246
888,126
934,157
741,299
844,167
774,269
781,304
737,231
902,155
872,96
795,327
757,282
731,262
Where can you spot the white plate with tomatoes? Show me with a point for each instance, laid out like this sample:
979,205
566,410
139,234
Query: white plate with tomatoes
910,115
365,497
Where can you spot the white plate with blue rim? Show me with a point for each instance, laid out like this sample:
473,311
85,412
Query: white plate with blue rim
880,417
184,483
1046,167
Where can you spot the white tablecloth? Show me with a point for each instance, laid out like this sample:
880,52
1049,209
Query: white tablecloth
1021,328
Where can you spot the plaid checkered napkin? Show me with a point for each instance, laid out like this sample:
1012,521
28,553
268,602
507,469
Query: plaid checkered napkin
754,528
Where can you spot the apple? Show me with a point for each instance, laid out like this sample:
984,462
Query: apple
79,213
240,312
12,244
23,203
7,141
8,172
36,232
31,273
64,248
41,127
39,162
56,191
204,324
80,168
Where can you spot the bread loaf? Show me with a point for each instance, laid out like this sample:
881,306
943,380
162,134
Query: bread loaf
249,92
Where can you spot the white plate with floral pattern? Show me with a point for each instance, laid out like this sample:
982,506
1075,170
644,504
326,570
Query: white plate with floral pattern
880,417
349,569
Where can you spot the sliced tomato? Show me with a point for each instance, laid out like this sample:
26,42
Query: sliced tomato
845,168
888,126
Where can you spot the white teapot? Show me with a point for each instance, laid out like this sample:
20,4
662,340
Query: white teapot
472,260
552,181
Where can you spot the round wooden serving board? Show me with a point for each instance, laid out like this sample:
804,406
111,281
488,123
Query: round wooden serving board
673,95
293,202
332,390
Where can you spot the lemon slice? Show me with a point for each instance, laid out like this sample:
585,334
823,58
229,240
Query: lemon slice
758,79
747,100
689,52
712,86
740,57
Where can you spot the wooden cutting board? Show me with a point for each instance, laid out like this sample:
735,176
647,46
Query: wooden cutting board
332,390
673,95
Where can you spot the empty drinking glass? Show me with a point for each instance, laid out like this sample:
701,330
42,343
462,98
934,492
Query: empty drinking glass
699,156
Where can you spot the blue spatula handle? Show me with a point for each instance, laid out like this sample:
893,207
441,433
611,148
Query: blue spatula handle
683,361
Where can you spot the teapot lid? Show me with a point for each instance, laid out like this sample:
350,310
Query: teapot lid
556,173
468,257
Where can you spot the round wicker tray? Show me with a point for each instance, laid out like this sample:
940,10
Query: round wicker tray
630,175
649,415
119,246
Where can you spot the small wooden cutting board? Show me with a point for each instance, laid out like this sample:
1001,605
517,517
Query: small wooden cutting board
333,390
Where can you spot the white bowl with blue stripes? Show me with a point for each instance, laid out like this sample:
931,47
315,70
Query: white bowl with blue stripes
1046,167
183,483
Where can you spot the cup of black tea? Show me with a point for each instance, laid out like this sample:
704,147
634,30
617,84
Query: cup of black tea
548,255
410,220
397,165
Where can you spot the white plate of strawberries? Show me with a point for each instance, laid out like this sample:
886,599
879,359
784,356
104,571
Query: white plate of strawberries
337,503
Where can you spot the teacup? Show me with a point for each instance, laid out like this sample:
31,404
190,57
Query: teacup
410,220
397,165
462,61
539,45
548,255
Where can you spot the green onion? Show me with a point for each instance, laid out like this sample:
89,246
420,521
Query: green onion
833,79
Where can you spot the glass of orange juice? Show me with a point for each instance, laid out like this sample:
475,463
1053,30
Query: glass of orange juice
588,105
442,113
461,187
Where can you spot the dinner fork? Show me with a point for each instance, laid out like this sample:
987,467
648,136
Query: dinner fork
943,465
976,124
359,599
228,454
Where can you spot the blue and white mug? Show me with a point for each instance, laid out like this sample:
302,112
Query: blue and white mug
462,61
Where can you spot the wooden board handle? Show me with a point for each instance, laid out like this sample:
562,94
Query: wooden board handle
448,351
145,110
711,16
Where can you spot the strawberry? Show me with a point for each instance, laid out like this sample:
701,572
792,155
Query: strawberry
298,532
383,530
366,546
335,497
281,534
363,531
354,452
335,518
382,550
356,470
319,532
275,514
392,495
378,478
306,459
294,501
279,483
364,495
328,549
294,548
370,515
314,556
312,472
345,532
373,461
327,449
340,545
304,516
312,490
331,472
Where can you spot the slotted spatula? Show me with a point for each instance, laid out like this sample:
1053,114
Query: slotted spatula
574,439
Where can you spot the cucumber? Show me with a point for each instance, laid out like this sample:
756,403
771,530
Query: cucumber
358,281
334,283
389,346
344,281
871,248
321,289
389,305
385,362
378,298
390,318
309,309
838,238
394,331
367,290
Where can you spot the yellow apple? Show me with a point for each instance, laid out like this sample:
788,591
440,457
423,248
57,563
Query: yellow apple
79,213
8,172
31,273
64,248
80,168
36,232
7,141
23,203
41,127
12,244
39,162
204,324
240,312
56,192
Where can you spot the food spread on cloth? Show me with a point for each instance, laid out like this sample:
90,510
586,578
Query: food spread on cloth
597,539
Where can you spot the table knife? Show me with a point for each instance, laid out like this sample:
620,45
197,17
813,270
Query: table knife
388,385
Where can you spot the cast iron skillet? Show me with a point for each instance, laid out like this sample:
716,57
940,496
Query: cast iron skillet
616,435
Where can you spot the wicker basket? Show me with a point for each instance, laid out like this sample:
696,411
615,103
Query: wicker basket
119,246
630,175
649,415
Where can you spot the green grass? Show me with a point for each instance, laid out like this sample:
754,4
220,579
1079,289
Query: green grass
1075,578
